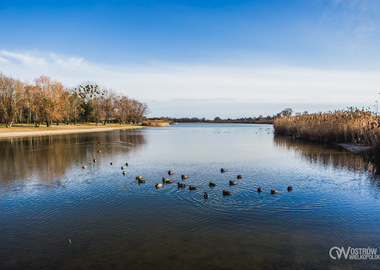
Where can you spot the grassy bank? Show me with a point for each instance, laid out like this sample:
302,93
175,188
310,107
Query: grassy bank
352,126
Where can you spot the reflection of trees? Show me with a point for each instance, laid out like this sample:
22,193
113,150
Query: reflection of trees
48,157
327,155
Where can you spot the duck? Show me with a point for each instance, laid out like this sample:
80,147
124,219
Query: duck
259,190
111,163
226,193
140,181
94,160
158,185
184,176
211,184
181,185
192,188
290,188
239,176
124,172
170,172
167,181
273,191
205,195
126,164
232,183
99,151
122,167
138,177
222,170
84,167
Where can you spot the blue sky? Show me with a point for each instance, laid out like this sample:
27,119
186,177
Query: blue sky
202,58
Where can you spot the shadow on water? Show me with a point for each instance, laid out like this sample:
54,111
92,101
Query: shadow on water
50,157
329,155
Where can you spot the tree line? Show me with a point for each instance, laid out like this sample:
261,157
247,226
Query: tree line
49,101
260,119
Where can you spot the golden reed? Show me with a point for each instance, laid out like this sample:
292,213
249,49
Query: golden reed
353,125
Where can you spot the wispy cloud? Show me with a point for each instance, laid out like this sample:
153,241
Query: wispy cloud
26,59
44,61
198,88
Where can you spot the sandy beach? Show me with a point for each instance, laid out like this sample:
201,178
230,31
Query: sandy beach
57,130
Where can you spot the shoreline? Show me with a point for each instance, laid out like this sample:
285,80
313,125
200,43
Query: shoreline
83,129
356,148
236,122
349,146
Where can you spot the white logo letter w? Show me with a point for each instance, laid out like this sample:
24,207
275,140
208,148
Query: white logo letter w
339,252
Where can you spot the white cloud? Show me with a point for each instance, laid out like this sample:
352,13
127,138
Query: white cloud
23,58
199,88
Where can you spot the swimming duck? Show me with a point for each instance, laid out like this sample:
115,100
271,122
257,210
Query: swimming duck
273,191
192,188
239,176
111,163
211,184
181,185
94,160
167,181
222,170
124,172
99,151
140,181
184,176
126,164
259,190
138,177
170,172
232,183
158,185
290,188
205,195
122,167
226,193
84,167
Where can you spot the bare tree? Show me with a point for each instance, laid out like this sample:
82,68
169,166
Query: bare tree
109,105
11,92
138,111
75,106
52,93
88,91
49,101
98,114
123,109
287,112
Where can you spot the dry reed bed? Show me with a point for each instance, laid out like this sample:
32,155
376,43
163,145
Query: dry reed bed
156,123
353,126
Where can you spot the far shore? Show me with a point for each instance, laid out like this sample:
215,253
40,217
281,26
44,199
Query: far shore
28,130
269,122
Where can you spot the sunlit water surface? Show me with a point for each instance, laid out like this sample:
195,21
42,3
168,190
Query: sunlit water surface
54,214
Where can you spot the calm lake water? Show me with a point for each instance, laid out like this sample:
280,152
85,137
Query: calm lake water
54,214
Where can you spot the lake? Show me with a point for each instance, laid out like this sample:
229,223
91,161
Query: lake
54,214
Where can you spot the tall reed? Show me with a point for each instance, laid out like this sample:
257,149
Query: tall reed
352,125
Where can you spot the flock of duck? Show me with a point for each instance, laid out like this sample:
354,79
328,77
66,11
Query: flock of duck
140,180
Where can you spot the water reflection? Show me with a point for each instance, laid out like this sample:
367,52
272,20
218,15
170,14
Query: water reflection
326,155
50,157
113,222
